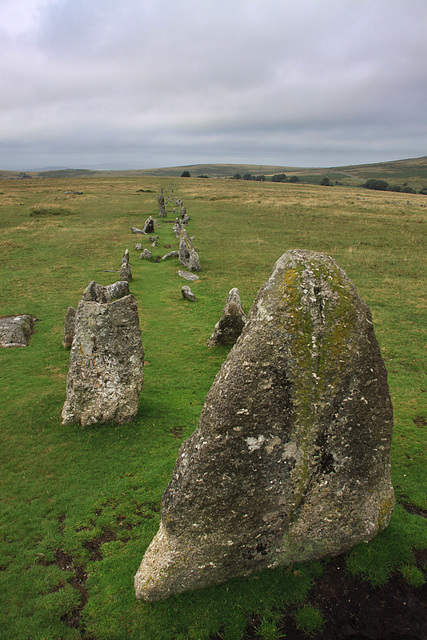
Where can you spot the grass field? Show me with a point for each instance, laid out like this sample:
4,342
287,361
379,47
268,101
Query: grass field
80,505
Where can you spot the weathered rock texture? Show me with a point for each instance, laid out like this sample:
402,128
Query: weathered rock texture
291,457
106,361
187,275
230,325
69,324
161,204
146,255
15,331
188,256
149,225
187,294
125,272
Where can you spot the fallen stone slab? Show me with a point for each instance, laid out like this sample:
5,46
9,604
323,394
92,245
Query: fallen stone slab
136,230
291,458
187,293
188,276
230,325
171,254
15,331
105,373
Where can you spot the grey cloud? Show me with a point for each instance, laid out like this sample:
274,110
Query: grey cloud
162,80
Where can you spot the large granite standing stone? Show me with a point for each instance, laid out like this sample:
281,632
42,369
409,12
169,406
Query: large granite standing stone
291,457
231,323
188,256
106,361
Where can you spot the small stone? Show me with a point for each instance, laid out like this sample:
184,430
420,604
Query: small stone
146,255
138,246
187,293
15,331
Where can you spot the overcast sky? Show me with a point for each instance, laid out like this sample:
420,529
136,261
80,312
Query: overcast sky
155,83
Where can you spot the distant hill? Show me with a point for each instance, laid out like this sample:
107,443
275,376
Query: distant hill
412,171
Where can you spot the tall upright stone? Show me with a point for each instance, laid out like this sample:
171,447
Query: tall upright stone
291,457
188,256
161,204
231,323
105,373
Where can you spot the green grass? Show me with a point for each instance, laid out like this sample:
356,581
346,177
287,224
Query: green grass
80,506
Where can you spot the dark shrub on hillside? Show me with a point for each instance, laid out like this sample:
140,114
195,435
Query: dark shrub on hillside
279,177
394,187
237,176
260,178
408,190
326,182
424,191
247,176
185,174
294,179
378,185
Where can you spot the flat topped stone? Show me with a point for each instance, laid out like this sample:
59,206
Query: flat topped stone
291,457
15,331
105,374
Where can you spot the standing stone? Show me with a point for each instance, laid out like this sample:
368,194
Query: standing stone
149,225
106,361
125,259
188,256
177,227
161,204
291,457
125,272
69,323
187,294
230,325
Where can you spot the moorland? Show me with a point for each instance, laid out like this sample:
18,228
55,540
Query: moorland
80,505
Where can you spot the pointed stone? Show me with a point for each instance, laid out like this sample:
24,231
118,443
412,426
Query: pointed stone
188,256
291,457
230,325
